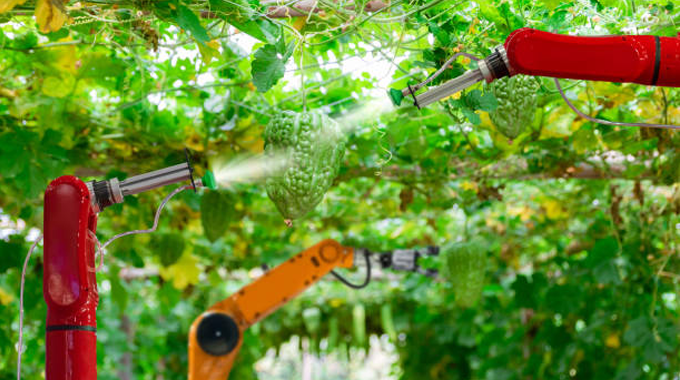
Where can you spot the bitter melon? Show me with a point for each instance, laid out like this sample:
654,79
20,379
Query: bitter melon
217,210
516,98
311,146
464,267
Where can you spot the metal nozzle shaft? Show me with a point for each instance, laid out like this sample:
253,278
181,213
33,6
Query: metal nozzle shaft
108,192
449,88
155,179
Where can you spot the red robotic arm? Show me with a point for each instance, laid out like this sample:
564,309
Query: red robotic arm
648,60
69,278
69,283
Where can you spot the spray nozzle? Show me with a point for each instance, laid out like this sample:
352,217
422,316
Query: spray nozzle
208,180
111,191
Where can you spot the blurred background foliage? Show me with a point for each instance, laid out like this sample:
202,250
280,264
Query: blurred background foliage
581,221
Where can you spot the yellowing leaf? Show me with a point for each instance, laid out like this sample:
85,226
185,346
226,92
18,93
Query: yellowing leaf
58,87
336,302
194,141
209,50
5,298
454,96
524,212
559,123
613,341
182,273
48,15
492,221
7,5
553,209
65,57
467,185
299,23
240,248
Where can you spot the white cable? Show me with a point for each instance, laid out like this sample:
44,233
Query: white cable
20,347
441,70
607,122
155,219
101,249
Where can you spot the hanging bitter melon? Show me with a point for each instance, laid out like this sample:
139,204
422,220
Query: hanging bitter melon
311,147
517,97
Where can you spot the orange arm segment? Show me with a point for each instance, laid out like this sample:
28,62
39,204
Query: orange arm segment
216,335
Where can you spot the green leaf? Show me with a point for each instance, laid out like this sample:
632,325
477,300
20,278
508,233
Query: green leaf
169,247
25,41
603,250
525,292
473,117
97,65
119,293
242,15
237,10
563,299
188,21
440,34
10,255
655,340
262,29
551,4
478,101
472,101
269,65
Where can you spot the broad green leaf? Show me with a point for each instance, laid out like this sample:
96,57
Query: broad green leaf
25,41
269,66
58,86
478,101
654,337
169,247
188,21
440,34
471,115
11,254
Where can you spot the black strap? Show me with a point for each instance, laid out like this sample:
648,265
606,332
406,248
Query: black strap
415,101
70,328
657,60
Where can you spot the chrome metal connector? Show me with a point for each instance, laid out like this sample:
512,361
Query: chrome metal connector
108,192
493,67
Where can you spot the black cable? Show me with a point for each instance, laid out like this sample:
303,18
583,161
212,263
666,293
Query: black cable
366,281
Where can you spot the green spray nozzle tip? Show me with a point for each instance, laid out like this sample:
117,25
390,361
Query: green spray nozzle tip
208,180
396,96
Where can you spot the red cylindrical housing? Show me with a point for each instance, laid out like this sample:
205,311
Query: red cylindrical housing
69,282
648,60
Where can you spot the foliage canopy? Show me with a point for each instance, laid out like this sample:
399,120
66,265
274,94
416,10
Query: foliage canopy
580,221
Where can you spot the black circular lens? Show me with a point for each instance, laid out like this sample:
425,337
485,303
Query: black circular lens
217,334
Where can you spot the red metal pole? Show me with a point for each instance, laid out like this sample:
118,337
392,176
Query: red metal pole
69,282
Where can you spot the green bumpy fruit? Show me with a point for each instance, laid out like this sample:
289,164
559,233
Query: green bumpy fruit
310,146
169,246
217,211
516,104
465,268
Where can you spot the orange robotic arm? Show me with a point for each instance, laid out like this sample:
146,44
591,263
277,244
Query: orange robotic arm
215,337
